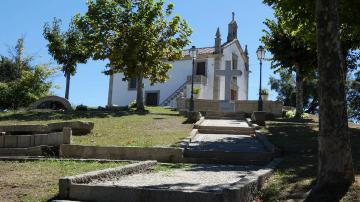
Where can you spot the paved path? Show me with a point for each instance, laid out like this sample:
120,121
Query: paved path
224,142
211,141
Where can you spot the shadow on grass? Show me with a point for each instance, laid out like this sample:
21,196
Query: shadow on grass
58,115
296,174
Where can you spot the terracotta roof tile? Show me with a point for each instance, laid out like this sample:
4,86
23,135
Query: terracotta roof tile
201,51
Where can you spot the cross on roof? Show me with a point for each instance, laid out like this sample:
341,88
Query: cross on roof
228,73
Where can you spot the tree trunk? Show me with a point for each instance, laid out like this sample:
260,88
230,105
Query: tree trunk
299,92
140,95
335,172
67,75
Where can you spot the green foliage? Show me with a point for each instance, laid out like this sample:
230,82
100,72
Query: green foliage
81,108
132,104
264,92
298,18
138,37
196,91
67,48
25,84
286,89
353,97
291,114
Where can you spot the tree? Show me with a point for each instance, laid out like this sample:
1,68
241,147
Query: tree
292,54
285,87
335,160
138,37
20,82
353,97
66,48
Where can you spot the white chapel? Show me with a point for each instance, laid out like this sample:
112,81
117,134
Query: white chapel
221,73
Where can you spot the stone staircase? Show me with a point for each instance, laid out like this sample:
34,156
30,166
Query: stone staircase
171,100
226,141
225,115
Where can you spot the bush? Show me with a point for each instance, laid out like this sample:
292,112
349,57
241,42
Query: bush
132,104
81,108
264,92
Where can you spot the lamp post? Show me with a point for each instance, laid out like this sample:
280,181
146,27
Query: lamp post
260,55
193,54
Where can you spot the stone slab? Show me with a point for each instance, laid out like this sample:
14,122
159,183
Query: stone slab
77,127
10,141
225,123
24,141
226,143
24,129
200,183
40,139
162,154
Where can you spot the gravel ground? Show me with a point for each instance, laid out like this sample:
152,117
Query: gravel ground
203,177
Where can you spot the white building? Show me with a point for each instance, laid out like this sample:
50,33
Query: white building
221,73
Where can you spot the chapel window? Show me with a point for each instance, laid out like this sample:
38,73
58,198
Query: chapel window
234,61
201,68
132,84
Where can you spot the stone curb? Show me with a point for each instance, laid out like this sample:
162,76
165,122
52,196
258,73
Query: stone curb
66,182
185,142
265,141
161,154
199,122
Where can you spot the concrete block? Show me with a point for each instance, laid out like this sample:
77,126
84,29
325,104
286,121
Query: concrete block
64,187
67,135
54,139
24,129
1,141
10,141
41,139
24,141
259,117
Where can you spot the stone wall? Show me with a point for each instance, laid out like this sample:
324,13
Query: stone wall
245,106
162,154
34,140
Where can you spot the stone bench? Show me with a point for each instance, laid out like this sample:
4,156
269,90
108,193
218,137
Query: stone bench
34,140
77,127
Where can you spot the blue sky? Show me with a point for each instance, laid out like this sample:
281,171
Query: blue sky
89,86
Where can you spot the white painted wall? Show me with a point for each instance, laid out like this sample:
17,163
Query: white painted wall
177,76
241,80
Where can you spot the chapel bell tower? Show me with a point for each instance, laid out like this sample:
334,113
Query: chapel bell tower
232,33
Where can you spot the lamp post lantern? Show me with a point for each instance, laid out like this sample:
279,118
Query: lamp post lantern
193,54
260,53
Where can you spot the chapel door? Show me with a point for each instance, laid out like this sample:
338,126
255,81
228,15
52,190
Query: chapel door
152,99
233,95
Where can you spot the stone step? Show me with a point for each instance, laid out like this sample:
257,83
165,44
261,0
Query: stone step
225,115
225,130
223,157
31,151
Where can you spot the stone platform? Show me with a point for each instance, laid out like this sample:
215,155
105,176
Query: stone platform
200,183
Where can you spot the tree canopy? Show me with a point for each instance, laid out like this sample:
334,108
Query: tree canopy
66,48
138,37
20,82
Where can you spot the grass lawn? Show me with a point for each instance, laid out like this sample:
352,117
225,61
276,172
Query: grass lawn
38,180
160,127
296,174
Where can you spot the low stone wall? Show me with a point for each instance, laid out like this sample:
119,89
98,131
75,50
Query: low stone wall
66,184
26,141
161,154
244,106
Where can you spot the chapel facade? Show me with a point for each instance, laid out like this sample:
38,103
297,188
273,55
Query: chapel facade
221,73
